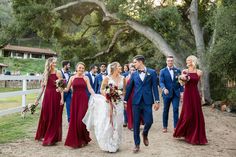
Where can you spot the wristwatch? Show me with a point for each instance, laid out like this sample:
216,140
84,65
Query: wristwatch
157,102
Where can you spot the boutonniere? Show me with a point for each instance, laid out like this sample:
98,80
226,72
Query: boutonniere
148,74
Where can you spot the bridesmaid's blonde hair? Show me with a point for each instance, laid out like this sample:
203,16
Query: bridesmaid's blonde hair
47,70
193,59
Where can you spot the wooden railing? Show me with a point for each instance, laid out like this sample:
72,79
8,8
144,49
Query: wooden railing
23,93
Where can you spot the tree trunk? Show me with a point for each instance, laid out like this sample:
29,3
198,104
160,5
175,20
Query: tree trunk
198,35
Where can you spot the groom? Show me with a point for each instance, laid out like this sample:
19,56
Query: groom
145,95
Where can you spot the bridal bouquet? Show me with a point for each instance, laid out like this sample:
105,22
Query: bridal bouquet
184,78
113,94
60,84
30,107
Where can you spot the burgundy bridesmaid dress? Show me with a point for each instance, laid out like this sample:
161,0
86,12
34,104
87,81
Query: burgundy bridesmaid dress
191,123
77,135
129,110
50,122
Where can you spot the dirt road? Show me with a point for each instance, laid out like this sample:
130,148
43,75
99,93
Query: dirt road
221,134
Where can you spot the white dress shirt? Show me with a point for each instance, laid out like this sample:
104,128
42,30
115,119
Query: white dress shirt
93,77
171,72
142,74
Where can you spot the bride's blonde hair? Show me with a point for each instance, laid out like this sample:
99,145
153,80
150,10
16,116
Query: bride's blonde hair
193,59
47,70
112,67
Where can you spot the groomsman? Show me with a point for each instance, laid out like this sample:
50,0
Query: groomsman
144,97
92,74
172,91
65,71
99,78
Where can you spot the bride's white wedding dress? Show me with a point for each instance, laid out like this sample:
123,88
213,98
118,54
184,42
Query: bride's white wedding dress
97,116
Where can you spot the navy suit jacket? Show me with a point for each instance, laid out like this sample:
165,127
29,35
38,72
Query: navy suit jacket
166,81
98,83
90,80
146,89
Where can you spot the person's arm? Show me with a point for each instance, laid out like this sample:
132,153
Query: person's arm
162,80
59,76
40,95
154,87
129,88
90,89
155,91
181,87
200,74
96,80
69,84
103,86
124,86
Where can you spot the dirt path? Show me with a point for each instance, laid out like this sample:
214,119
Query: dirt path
221,134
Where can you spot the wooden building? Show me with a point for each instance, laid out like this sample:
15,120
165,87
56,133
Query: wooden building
26,52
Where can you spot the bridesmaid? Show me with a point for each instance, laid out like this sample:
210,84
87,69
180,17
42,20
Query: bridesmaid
77,135
129,102
191,123
50,122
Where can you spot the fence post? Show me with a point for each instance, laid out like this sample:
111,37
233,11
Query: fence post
24,88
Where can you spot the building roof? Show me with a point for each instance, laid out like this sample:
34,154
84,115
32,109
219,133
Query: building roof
29,50
3,65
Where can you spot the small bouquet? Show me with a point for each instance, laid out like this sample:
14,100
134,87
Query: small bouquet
183,78
113,94
30,107
60,84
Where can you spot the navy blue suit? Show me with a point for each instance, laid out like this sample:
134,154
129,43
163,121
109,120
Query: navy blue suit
91,82
67,97
98,83
145,93
173,97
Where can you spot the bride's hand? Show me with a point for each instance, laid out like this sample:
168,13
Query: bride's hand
125,106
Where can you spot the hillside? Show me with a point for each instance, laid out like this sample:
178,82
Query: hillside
23,65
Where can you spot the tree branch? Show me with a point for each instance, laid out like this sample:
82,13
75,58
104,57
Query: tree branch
111,45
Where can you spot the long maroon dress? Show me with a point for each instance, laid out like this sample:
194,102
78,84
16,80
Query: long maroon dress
78,135
191,123
50,122
129,109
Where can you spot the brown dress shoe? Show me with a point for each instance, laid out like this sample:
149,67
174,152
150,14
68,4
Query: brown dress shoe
136,149
145,140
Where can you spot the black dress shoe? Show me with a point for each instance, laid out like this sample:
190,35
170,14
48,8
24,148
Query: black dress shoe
145,140
136,149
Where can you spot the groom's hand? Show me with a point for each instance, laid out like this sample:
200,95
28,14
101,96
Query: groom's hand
156,106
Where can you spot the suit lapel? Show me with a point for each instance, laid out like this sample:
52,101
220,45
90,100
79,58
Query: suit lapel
168,72
139,79
145,78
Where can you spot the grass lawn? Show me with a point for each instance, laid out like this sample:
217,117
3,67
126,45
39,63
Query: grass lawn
13,127
12,102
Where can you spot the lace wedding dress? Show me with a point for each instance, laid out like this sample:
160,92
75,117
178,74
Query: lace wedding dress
108,134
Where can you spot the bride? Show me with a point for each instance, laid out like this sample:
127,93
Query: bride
105,117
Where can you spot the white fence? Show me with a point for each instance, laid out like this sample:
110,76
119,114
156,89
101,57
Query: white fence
23,93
